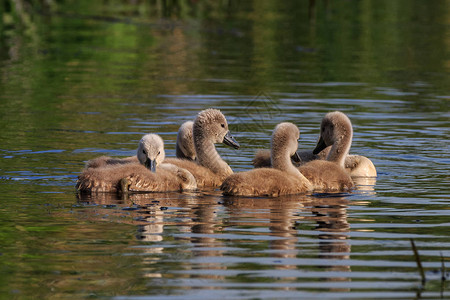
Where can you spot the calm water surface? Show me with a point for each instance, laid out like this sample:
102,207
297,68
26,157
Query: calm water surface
81,79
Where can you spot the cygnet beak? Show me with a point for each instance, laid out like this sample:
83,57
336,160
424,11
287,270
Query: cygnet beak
320,146
230,141
150,164
296,158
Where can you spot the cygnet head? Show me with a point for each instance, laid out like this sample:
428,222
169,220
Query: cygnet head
284,138
335,128
151,151
211,125
185,141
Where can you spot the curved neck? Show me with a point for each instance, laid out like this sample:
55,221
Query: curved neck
282,161
340,149
179,153
208,156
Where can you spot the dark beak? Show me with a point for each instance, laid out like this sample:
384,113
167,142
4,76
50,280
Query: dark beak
150,164
320,146
296,157
230,141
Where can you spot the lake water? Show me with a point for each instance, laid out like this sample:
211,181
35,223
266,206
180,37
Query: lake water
80,79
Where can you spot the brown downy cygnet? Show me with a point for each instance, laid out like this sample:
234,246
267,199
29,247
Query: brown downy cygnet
336,135
149,174
210,127
330,174
283,179
185,148
355,165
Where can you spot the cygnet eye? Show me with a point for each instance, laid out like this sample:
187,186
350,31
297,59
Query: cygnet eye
223,125
143,151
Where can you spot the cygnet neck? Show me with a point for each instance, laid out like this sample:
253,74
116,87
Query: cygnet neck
341,146
185,143
281,160
208,156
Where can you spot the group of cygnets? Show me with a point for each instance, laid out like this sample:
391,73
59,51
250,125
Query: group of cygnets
280,171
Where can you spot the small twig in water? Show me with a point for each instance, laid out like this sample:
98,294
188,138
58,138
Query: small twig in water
419,263
443,272
443,276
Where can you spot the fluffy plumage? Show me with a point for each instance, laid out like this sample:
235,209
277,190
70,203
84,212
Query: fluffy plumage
137,179
355,165
336,131
283,179
185,148
330,175
210,127
149,174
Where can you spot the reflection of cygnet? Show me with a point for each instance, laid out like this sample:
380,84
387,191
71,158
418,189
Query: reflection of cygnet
152,232
366,185
147,233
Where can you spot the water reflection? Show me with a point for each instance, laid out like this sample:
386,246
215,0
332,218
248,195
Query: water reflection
279,216
85,77
365,185
197,225
331,216
202,221
151,232
283,214
205,239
